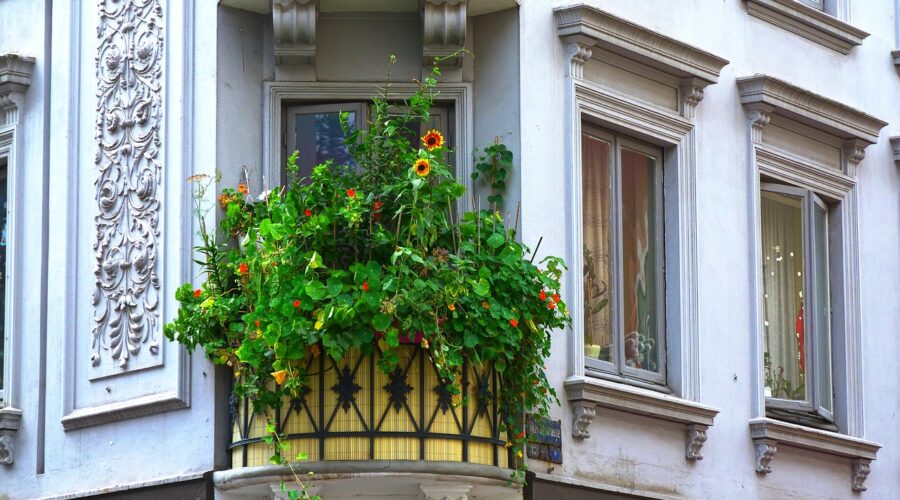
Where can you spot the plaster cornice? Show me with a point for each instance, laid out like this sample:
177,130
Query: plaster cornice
807,107
810,23
624,37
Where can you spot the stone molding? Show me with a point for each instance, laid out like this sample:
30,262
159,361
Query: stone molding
443,31
817,111
895,55
895,148
768,433
808,22
294,29
590,393
624,37
9,425
15,78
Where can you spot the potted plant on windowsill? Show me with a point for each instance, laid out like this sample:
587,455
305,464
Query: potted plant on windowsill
370,259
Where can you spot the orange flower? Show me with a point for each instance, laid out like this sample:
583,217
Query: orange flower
551,305
514,323
224,199
307,212
433,139
197,293
279,376
452,307
485,304
297,304
351,193
365,286
520,435
243,268
422,167
243,189
543,296
555,297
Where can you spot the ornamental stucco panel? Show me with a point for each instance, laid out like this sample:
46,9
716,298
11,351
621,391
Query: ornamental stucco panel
129,118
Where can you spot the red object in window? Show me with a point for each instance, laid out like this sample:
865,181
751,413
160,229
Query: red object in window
801,346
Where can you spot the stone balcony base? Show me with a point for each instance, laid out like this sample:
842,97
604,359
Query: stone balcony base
401,480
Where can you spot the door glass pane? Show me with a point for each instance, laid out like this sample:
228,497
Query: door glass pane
4,241
595,182
823,312
639,261
783,260
319,138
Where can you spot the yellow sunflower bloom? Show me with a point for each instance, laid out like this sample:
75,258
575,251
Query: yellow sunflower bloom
432,140
422,167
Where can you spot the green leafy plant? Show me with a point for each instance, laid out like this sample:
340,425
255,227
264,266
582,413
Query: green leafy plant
371,256
492,168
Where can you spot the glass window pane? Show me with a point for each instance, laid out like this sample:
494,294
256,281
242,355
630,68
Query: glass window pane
319,138
595,182
783,317
817,4
639,261
4,241
823,313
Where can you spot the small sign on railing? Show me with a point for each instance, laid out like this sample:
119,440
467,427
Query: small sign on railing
543,438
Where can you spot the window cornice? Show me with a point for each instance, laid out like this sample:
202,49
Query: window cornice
810,23
607,31
817,111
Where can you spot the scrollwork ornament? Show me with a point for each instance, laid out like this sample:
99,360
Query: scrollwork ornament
696,436
860,473
584,415
129,119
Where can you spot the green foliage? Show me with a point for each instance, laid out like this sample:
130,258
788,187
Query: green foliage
493,167
371,256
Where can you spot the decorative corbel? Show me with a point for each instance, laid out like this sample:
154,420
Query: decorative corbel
443,31
294,24
585,412
860,473
15,78
578,53
895,54
445,491
854,153
696,436
691,94
895,147
765,452
759,116
9,425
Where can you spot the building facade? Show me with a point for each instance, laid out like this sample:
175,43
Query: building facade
722,178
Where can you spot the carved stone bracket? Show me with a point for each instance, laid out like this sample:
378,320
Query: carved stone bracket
765,452
9,425
443,31
860,472
854,153
129,109
759,116
691,94
449,491
15,78
584,414
578,52
696,436
294,25
895,147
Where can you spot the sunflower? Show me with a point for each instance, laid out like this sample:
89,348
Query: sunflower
422,167
432,139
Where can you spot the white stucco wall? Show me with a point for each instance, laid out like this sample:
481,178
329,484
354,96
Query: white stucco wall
646,454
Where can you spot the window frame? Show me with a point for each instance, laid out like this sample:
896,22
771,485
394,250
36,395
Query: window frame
292,110
10,151
813,335
618,369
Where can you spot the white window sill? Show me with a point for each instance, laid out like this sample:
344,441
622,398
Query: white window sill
810,23
767,433
587,394
9,424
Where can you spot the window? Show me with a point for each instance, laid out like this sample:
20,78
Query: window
315,131
796,305
4,167
623,259
816,4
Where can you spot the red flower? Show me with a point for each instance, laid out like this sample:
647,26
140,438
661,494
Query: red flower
551,305
543,296
351,193
365,286
243,268
256,323
377,205
297,304
197,293
520,435
514,323
555,297
307,212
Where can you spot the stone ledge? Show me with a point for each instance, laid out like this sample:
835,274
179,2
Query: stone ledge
810,23
768,433
817,111
586,394
631,40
